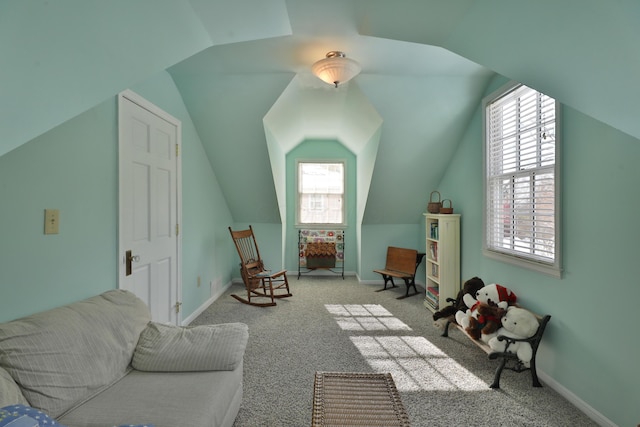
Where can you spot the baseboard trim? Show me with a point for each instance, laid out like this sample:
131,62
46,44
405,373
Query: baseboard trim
575,400
186,321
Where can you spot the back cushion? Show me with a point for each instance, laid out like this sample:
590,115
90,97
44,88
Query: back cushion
62,356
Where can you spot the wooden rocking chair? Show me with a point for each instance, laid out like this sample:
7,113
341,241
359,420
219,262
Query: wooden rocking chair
258,281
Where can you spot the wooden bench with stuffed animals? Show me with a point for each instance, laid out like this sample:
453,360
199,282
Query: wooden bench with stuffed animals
498,325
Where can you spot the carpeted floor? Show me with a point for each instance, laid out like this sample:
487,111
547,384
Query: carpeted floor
337,325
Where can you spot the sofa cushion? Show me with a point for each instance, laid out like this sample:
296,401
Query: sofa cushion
166,348
67,354
10,393
176,399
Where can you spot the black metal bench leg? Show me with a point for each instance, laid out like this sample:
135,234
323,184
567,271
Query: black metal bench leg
409,283
496,378
534,375
445,333
387,279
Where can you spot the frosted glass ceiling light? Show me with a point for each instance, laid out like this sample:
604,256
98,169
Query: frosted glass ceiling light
336,68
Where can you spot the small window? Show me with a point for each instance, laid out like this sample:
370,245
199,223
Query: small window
521,179
321,193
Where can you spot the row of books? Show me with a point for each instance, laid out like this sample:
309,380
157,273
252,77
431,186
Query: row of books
432,297
433,232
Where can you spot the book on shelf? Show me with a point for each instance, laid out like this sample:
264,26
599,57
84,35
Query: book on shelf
433,230
433,292
433,251
431,303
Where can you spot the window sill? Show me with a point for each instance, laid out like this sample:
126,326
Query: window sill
548,269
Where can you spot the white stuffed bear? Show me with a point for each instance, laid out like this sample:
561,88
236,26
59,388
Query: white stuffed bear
490,294
517,323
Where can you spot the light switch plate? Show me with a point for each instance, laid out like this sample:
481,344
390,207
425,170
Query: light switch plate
51,221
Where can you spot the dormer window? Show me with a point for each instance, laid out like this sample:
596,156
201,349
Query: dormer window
321,193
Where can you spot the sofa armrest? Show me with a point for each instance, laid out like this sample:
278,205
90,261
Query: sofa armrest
167,348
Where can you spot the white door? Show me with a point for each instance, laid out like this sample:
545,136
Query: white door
149,246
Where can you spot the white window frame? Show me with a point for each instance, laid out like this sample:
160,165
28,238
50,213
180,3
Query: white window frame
500,244
299,222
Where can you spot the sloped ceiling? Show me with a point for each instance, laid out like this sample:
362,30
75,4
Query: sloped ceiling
425,66
421,96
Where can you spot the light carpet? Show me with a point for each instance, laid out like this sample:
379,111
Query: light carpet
339,325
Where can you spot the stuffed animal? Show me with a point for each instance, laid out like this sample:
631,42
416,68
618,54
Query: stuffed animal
486,324
471,287
492,294
498,294
516,323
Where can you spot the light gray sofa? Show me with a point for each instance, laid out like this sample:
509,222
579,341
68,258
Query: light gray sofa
101,362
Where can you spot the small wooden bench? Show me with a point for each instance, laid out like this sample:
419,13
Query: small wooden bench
516,365
401,263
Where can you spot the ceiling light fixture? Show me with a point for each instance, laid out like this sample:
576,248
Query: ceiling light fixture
336,68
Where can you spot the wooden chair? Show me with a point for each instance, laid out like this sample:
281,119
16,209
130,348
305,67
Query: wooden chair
258,281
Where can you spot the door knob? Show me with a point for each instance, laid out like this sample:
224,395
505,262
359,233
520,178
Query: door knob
129,259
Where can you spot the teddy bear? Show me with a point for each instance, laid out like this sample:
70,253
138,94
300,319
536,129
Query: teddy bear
493,294
488,320
516,323
471,287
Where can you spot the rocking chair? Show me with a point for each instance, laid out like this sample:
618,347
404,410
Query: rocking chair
258,281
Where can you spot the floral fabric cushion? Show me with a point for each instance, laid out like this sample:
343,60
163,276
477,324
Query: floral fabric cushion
25,416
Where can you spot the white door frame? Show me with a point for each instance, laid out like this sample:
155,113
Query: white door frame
143,103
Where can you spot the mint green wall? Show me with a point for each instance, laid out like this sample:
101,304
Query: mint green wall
73,168
62,58
207,248
376,239
591,345
313,149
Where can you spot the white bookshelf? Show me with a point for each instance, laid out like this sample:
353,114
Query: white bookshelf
442,259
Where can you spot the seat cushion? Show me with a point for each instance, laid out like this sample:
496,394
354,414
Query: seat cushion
61,356
167,348
194,399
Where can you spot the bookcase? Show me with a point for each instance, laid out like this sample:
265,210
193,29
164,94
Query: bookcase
443,259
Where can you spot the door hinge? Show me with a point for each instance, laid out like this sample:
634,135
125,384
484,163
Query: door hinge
177,150
178,304
177,229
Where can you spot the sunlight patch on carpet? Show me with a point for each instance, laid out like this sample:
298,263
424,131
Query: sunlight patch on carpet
413,361
415,364
357,310
365,317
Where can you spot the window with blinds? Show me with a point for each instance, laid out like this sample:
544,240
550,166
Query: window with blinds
521,178
321,193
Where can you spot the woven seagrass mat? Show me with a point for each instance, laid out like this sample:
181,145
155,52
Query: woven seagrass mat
357,399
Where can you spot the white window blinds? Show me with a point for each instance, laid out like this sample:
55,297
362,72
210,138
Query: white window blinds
320,193
520,167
